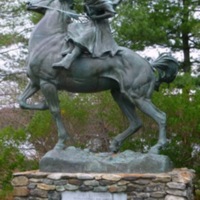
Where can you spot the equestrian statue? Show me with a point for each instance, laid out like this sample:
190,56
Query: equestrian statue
77,53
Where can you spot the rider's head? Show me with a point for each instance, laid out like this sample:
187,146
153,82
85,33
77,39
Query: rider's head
105,5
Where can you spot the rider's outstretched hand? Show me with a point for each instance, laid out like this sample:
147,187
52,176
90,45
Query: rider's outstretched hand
74,16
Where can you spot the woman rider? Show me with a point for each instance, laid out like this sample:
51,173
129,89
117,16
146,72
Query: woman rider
93,37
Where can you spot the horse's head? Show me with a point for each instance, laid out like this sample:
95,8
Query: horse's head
41,6
38,5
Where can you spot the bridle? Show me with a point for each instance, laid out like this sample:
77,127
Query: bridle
70,14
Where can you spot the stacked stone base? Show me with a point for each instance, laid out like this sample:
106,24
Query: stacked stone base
35,185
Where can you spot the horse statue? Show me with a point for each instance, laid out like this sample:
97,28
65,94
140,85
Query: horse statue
130,78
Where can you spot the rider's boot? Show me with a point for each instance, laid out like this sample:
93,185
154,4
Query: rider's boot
68,59
70,47
64,53
64,63
68,50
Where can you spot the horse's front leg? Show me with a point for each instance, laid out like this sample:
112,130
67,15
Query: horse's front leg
50,92
30,90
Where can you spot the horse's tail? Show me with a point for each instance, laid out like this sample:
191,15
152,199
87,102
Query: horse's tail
166,67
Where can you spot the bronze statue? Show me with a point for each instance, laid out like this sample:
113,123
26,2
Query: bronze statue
129,77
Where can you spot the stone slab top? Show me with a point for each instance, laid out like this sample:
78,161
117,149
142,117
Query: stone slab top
181,175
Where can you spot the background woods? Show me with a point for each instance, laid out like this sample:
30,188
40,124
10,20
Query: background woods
172,24
92,119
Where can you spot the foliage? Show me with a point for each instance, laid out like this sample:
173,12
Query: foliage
92,116
11,14
167,23
11,159
40,124
14,29
35,17
134,28
42,132
184,125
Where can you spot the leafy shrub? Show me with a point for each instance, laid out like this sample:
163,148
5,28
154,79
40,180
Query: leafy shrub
11,158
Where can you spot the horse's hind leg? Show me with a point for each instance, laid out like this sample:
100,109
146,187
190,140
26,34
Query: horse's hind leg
128,108
29,91
146,106
50,92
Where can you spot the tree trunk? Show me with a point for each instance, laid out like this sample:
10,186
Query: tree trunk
185,37
186,53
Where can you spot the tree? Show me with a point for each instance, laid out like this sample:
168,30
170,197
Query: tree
169,23
15,26
15,153
14,29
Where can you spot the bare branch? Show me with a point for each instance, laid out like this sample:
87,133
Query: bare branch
6,51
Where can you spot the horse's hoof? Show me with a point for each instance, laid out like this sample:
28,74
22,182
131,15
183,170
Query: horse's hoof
114,146
154,150
157,148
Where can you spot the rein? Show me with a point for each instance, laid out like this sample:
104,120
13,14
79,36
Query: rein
70,14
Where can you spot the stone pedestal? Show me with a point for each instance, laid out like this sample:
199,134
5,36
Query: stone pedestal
35,185
73,160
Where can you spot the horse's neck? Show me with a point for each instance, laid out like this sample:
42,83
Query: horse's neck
52,26
53,22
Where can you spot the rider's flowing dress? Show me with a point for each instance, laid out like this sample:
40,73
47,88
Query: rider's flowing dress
93,36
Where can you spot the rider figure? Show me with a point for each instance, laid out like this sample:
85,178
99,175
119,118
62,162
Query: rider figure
93,37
